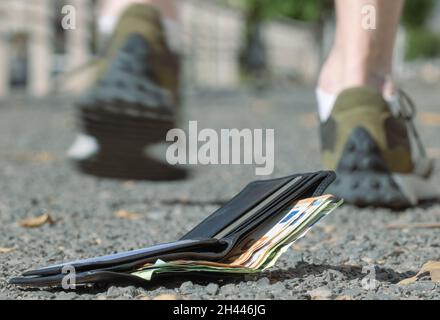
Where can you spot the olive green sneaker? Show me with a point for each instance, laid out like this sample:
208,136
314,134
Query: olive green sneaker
133,103
375,150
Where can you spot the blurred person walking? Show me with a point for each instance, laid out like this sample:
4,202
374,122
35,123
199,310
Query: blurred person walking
367,132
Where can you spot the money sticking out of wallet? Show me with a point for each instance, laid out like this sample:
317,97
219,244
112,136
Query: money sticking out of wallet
246,235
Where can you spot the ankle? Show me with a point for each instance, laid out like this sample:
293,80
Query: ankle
339,73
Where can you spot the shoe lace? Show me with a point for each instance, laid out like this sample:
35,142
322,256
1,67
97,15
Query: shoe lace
406,109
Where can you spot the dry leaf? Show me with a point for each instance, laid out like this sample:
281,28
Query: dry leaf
123,214
367,260
329,228
96,241
35,222
433,225
433,267
261,106
430,118
6,250
344,298
322,293
166,297
309,120
433,153
43,157
435,275
128,183
142,297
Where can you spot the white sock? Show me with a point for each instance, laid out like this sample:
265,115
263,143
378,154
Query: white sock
326,102
107,24
83,147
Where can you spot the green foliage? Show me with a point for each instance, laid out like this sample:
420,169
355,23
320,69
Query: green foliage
422,43
306,10
416,12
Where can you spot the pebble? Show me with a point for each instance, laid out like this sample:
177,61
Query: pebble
421,286
320,293
228,289
263,282
212,288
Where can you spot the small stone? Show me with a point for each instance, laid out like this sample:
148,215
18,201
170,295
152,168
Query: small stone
321,293
46,295
262,296
263,282
228,289
353,292
65,296
382,296
131,291
421,286
187,287
212,288
334,275
113,291
166,297
378,296
278,288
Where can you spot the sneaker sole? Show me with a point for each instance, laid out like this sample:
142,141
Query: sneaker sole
113,125
363,178
122,140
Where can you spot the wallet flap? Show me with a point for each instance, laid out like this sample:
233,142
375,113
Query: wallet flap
257,197
314,186
253,194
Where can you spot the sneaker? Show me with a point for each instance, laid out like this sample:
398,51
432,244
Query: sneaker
133,103
376,152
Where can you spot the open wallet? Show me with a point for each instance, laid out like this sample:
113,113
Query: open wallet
246,235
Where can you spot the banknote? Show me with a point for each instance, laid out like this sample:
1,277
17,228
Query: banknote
262,248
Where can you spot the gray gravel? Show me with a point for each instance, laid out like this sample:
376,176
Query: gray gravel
328,263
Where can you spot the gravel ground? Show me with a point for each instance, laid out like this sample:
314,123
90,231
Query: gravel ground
327,263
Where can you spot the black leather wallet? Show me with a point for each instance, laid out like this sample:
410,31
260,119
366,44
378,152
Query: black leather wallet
211,240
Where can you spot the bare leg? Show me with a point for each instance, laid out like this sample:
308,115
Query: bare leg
361,56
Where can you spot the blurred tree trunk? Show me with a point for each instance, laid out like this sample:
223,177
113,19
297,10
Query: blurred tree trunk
253,57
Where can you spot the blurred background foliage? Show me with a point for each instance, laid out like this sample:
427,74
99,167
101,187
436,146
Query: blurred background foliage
421,41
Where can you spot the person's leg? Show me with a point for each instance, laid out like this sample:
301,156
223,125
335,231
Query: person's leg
135,98
112,10
369,144
359,56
